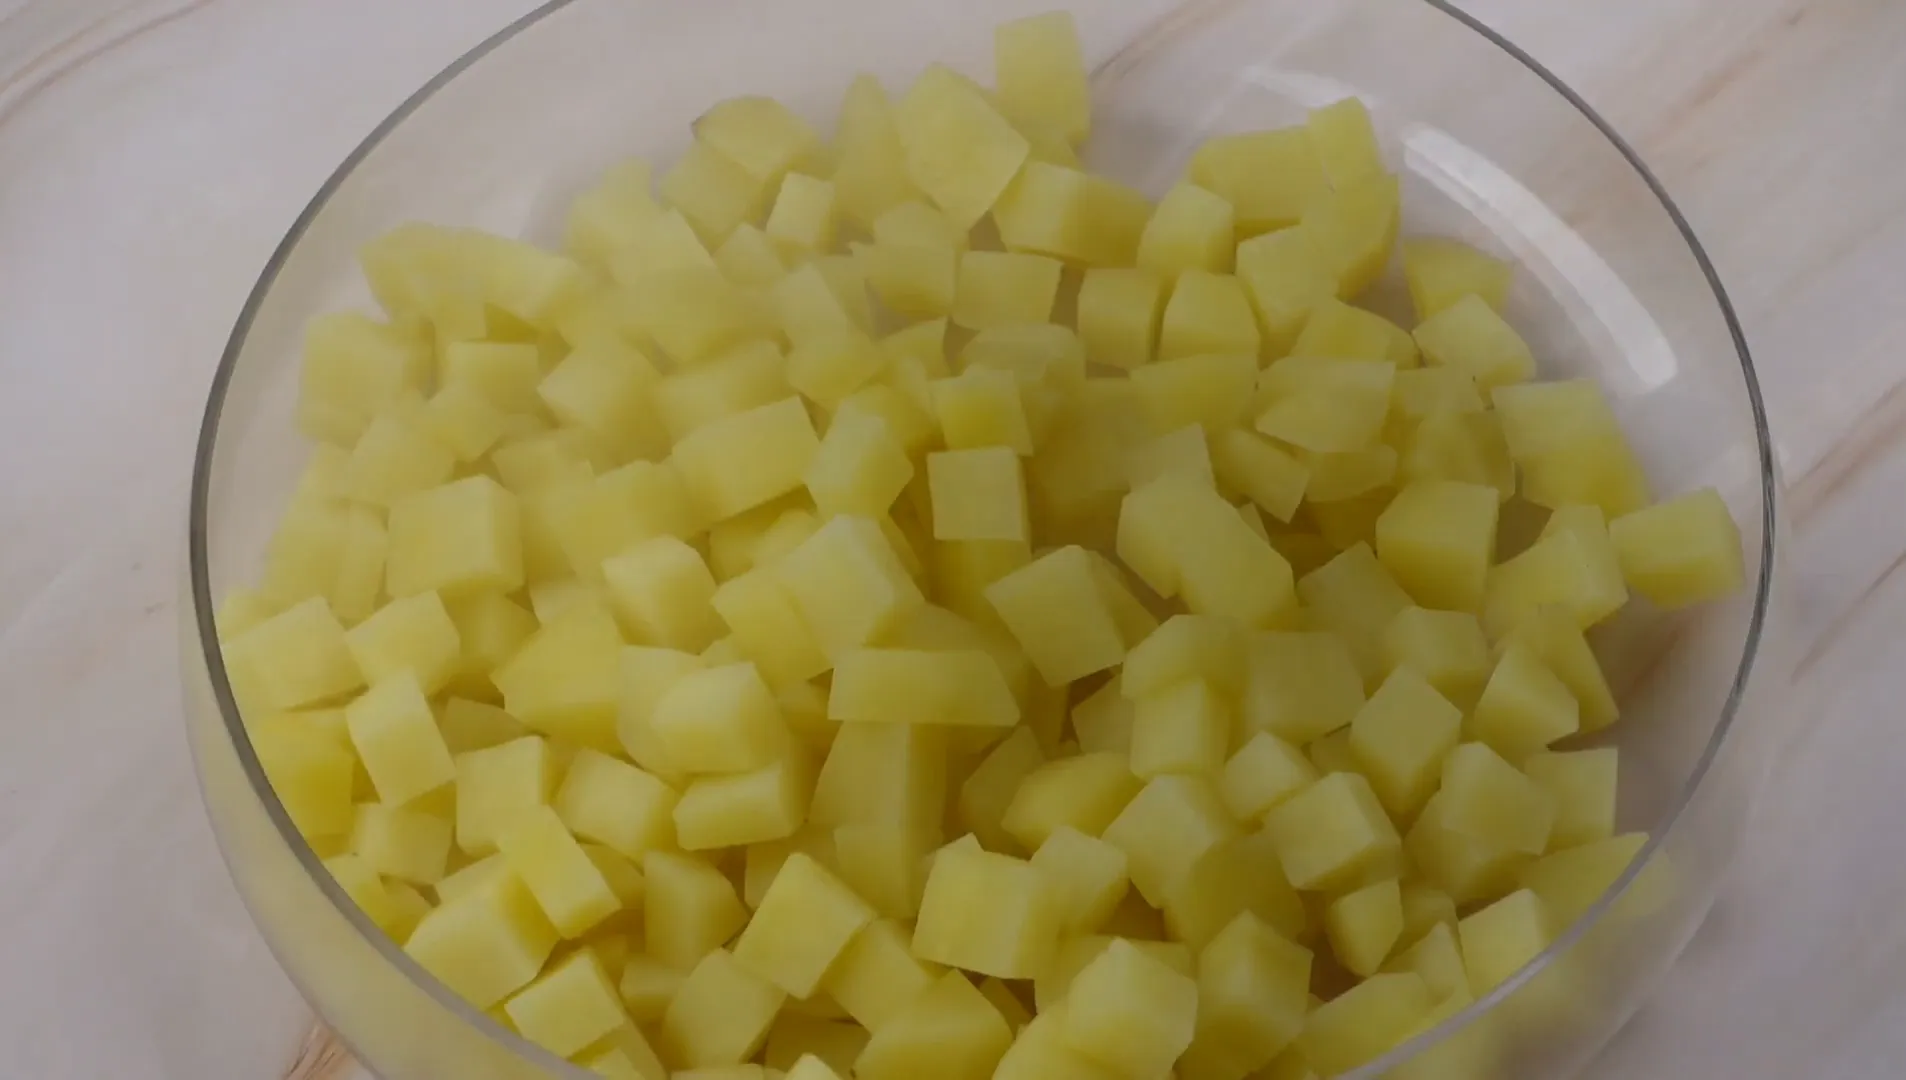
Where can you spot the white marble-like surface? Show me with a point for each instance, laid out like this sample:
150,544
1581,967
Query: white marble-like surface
172,141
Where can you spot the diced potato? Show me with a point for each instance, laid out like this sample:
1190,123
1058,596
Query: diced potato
1365,1021
1438,958
1465,867
811,1049
1500,939
761,135
1681,552
1582,783
957,148
565,679
1120,314
883,773
745,377
1180,536
1331,832
690,908
1488,799
1041,1052
1235,875
961,688
1400,737
1363,926
749,258
1264,772
768,627
1086,792
754,807
1423,392
414,634
456,539
1355,228
1469,336
1088,875
402,843
1003,288
602,390
713,192
1192,229
987,793
1570,881
914,280
1208,313
485,944
1252,998
498,786
1324,405
748,458
1066,214
1524,707
624,1055
1301,686
870,171
719,720
1336,329
803,923
1184,728
1287,276
803,218
810,309
1438,539
1574,569
354,369
982,407
876,975
569,1007
1265,473
978,494
848,583
947,1032
312,773
1441,272
1165,828
1269,177
1461,446
1057,611
720,1014
1131,1012
1340,476
1569,447
1039,68
1346,141
611,214
395,458
988,913
617,804
1331,754
859,468
1212,389
397,740
1425,906
538,849
297,657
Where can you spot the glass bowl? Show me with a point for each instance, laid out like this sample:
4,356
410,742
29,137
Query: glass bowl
1611,284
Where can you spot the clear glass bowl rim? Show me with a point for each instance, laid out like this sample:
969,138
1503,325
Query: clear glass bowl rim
204,604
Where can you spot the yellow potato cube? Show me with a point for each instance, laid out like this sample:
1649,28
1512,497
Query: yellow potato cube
1287,276
961,688
1269,177
645,676
1263,773
1463,446
1348,475
745,377
1582,783
1004,288
1438,958
1088,874
402,843
892,774
1346,141
1253,994
1300,686
1265,473
1569,447
848,583
1424,907
1469,336
602,389
297,657
693,313
1120,313
1184,728
917,281
1235,875
1488,799
859,468
988,913
1325,405
1187,647
569,1007
1575,569
312,774
395,458
1365,1022
463,537
767,804
1355,227
1336,329
611,214
415,635
876,975
749,258
497,786
1192,229
538,849
761,135
386,904
719,720
1057,610
1501,939
1446,648
948,1032
1681,552
1086,793
1439,540
626,881
1180,536
803,924
1213,389
460,417
597,520
1039,69
885,864
397,740
690,908
989,790
1363,926
803,218
745,459
490,628
624,1055
957,148
485,944
1165,828
720,1015
1332,753
354,368
870,170
1183,452
1524,707
485,871
1441,272
768,627
978,494
1208,313
1354,596
1570,881
1059,211
1331,832
661,590
982,407
564,680
713,192
1041,1052
915,224
1465,867
811,1049
1131,1012
827,368
616,804
1400,737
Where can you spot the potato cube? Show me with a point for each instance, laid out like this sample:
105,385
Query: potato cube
803,218
1346,141
1086,793
311,772
719,720
917,281
1446,648
1524,707
826,368
1681,552
1332,753
769,803
1057,610
978,494
602,389
915,224
690,908
1570,881
693,313
1187,647
460,417
490,628
1235,875
876,975
1351,474
1039,69
395,458
1569,446
1336,329
745,377
1462,446
1165,828
1364,925
565,679
1355,597
1212,389
1261,470
497,786
1331,832
485,944
1183,453
1575,569
646,676
1582,783
1487,798
1324,405
1264,772
848,583
616,804
1004,288
1041,1052
768,627
801,927
1184,728
1120,315
870,170
1287,275
883,773
761,135
989,790
720,1015
1355,227
1501,939
1300,686
1400,737
1470,337
749,258
745,459
988,913
885,863
961,688
1425,906
1192,229
538,849
397,739
463,537
982,407
713,192
1131,1012
1181,537
859,468
1365,1022
400,842
1464,867
1441,272
569,1007
1208,313
1088,875
1439,540
810,1049
957,148
1253,993
297,657
413,634
1269,177
948,1032
354,368
1058,211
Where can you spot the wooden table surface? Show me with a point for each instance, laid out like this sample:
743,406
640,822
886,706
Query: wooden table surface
171,141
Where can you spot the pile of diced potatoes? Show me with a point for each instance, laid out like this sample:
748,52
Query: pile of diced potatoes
905,607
